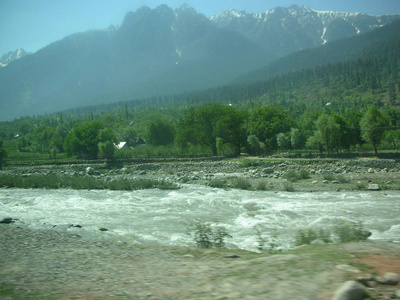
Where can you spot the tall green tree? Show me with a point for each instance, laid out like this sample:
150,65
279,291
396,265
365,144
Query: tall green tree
229,129
283,141
297,139
107,142
3,153
329,131
372,126
161,133
266,122
204,124
84,139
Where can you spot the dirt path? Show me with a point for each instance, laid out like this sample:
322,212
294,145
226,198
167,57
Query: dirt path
54,265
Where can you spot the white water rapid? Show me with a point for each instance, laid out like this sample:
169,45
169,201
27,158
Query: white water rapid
166,217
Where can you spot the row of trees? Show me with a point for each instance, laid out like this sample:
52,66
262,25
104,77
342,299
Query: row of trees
210,129
218,129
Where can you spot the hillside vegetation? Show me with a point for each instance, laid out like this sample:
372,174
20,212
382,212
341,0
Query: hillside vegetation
350,105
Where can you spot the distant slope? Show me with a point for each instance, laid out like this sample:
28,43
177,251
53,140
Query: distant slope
370,77
330,53
154,52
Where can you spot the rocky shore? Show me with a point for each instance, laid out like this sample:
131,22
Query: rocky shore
272,174
54,265
47,264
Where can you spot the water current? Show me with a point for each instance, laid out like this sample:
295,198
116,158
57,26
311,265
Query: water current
168,217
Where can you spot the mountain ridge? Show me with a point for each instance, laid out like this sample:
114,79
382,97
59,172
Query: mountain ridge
154,52
298,27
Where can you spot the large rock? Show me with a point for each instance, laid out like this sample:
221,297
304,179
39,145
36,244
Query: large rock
389,279
90,171
7,221
350,290
374,187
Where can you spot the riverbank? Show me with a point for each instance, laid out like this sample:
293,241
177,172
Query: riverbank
305,175
46,264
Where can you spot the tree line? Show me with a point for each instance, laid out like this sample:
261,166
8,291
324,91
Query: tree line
210,129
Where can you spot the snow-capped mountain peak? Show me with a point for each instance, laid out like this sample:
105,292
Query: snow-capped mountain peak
12,56
283,30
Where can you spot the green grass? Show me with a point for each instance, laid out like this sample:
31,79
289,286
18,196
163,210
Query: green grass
293,175
52,181
344,232
17,157
12,292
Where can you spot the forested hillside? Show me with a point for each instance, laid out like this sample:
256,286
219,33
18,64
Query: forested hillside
352,105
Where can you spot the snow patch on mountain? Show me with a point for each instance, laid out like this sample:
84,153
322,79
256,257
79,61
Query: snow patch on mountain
324,41
298,27
12,56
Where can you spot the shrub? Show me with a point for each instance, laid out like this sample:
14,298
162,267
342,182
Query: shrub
304,174
342,179
306,236
329,177
288,186
291,176
351,232
242,183
166,185
361,186
217,183
262,185
249,163
269,245
206,236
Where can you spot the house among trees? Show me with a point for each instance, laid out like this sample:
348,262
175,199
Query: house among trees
121,145
138,142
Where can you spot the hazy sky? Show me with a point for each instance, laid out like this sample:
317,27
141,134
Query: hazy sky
33,24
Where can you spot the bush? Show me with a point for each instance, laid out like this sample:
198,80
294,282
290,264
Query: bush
242,183
351,232
269,245
206,236
361,186
288,186
262,185
304,174
329,177
342,179
306,236
344,233
217,183
291,176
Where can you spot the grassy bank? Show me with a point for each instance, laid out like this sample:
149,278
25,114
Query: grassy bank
52,181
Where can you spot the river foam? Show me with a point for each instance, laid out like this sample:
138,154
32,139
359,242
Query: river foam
167,217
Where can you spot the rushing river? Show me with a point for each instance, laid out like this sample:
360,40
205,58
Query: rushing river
168,217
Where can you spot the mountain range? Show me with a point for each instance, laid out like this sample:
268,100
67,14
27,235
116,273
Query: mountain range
164,51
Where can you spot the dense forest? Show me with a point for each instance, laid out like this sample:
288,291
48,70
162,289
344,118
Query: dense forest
352,105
